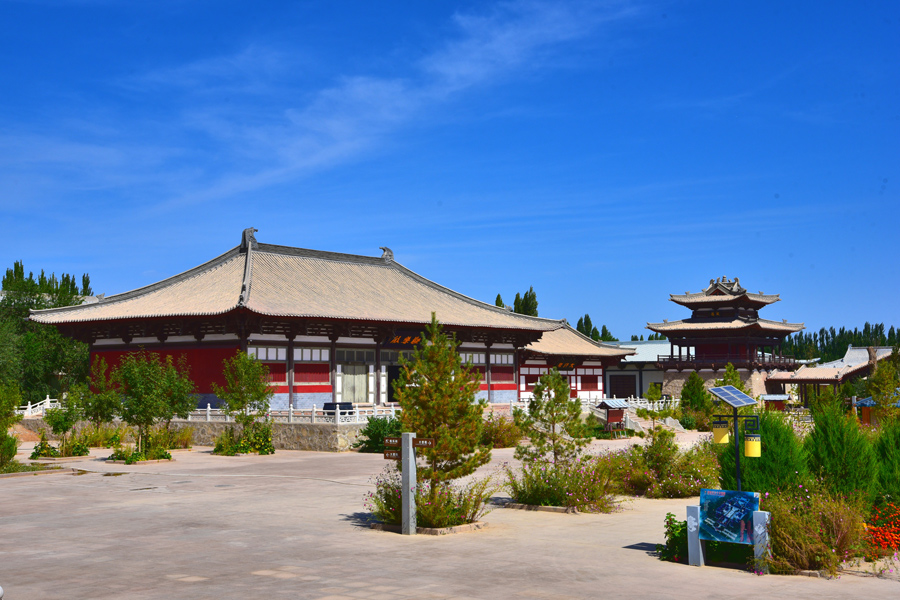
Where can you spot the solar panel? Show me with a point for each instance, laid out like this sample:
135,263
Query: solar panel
732,396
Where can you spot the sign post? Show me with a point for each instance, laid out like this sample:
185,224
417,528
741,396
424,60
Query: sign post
408,485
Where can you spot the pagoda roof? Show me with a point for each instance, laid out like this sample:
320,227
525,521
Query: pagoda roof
566,341
689,325
281,281
724,291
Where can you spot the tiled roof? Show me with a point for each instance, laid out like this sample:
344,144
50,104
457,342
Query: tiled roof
734,324
854,360
723,290
570,342
292,282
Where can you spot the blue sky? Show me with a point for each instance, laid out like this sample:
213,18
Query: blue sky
606,153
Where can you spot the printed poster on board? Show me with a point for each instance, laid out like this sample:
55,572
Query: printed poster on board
727,516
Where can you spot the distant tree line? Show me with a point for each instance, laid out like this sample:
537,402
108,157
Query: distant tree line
35,358
653,337
831,344
586,327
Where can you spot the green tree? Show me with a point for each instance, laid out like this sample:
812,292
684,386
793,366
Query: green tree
607,336
153,390
694,395
883,386
526,304
499,302
38,357
247,394
437,394
99,399
553,423
654,392
782,464
10,400
887,453
61,421
731,377
841,454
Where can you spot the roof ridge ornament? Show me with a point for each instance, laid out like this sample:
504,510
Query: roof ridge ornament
388,254
248,240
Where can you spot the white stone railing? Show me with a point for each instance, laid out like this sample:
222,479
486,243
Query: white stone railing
37,409
303,415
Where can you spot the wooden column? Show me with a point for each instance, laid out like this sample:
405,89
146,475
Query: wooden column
516,372
487,369
333,356
377,371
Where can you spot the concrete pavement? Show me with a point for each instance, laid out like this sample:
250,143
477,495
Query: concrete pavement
292,525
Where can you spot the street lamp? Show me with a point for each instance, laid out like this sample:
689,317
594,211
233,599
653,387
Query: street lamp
752,440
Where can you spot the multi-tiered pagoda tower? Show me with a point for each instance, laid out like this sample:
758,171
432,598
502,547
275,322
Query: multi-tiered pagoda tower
724,327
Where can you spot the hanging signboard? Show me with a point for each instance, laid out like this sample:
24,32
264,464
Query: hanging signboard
402,340
727,516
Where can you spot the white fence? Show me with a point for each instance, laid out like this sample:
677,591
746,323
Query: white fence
305,415
37,410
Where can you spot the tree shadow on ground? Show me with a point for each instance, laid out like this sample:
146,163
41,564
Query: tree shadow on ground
647,547
362,520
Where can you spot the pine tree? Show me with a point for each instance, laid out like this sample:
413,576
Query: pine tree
596,336
731,377
694,395
437,394
841,454
553,423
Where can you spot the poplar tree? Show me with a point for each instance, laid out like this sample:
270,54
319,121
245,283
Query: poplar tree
437,394
499,301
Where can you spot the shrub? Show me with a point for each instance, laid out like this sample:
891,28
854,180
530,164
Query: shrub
500,432
102,436
43,449
688,421
841,454
10,399
62,420
448,506
810,529
9,445
887,453
587,484
255,438
676,547
168,439
660,470
781,465
228,443
131,455
371,437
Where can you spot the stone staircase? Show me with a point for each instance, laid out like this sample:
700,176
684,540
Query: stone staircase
641,425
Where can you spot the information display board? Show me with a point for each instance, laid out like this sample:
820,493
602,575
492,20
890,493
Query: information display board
727,516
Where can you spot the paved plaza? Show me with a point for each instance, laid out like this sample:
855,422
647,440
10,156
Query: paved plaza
292,525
